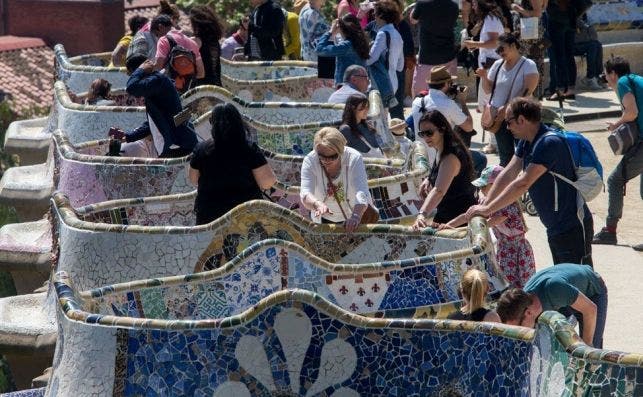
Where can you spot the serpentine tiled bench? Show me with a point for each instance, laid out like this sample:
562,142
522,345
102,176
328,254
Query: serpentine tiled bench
27,336
148,246
259,81
296,342
616,15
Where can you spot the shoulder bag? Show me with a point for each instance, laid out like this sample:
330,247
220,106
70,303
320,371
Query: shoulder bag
371,215
626,135
492,117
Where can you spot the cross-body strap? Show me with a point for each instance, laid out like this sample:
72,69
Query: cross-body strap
335,192
495,80
388,48
514,80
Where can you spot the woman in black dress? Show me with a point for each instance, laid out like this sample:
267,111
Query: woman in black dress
227,169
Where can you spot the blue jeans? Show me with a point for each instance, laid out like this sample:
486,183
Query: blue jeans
562,52
630,166
600,300
505,143
573,246
593,51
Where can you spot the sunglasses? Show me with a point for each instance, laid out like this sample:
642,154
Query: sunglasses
332,157
500,49
428,133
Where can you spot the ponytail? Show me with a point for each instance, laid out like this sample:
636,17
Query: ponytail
474,287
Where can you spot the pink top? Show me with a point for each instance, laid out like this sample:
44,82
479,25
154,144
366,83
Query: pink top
163,46
353,10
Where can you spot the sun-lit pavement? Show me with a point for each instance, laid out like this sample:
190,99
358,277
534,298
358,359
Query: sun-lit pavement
620,266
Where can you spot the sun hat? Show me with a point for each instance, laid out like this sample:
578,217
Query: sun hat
488,175
397,126
439,75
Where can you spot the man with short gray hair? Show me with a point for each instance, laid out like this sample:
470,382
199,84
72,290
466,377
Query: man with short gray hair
355,82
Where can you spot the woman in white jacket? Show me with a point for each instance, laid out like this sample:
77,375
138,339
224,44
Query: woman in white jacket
334,185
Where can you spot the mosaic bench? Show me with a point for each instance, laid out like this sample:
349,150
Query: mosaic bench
295,342
87,177
616,15
27,188
259,81
150,234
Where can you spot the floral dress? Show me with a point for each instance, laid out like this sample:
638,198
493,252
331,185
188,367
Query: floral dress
514,253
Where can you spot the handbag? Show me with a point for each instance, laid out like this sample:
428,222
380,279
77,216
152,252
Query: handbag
626,135
493,117
371,215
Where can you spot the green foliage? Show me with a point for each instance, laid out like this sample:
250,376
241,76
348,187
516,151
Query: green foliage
8,214
231,11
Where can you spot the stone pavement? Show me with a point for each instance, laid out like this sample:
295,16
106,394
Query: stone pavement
620,265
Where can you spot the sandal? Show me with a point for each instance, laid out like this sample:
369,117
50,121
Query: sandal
556,96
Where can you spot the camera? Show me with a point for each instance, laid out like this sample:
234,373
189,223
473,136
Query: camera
454,90
116,133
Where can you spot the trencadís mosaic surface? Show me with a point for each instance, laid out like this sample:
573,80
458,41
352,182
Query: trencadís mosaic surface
92,237
294,342
280,81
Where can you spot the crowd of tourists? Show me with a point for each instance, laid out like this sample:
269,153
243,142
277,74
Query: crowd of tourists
411,57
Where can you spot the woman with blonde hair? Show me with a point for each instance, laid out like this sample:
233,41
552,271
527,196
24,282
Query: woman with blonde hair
474,287
334,185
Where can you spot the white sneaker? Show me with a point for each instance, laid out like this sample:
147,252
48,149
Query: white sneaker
592,83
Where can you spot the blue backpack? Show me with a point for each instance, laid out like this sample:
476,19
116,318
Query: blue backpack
589,171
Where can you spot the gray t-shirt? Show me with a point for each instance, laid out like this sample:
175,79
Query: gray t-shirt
522,68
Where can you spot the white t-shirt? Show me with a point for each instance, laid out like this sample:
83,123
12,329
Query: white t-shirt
437,99
522,68
341,95
491,24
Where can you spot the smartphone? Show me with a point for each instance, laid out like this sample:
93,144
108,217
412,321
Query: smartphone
116,133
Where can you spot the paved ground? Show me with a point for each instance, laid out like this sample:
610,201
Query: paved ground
620,265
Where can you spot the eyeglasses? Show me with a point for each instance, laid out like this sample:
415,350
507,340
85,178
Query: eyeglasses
509,120
332,157
361,75
428,133
500,49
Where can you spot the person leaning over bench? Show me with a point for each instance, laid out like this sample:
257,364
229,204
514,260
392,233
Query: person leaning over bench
559,287
535,157
162,103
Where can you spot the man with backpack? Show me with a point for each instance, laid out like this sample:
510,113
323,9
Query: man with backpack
171,138
177,53
539,155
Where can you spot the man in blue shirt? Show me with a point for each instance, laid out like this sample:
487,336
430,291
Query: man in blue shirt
558,287
569,223
629,88
162,103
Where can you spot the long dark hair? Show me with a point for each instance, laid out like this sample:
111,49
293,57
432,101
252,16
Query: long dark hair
490,7
452,142
353,32
349,117
228,130
205,24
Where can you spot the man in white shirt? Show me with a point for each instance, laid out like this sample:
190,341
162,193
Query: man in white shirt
440,81
355,82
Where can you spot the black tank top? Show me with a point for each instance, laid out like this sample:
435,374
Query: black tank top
461,193
477,315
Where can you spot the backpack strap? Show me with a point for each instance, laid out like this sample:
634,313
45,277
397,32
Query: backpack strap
422,105
170,41
387,50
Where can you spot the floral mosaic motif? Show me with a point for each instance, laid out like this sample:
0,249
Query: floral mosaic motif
293,329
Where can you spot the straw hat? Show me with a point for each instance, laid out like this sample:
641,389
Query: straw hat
298,5
439,75
397,126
